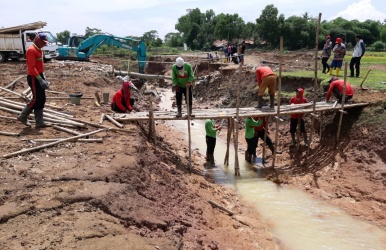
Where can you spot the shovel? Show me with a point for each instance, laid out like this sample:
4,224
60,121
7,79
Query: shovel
364,79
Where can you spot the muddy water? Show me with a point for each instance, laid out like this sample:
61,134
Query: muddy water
298,220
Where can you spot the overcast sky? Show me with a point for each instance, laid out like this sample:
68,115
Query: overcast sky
134,17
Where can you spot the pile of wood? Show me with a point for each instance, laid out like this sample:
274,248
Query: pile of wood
23,27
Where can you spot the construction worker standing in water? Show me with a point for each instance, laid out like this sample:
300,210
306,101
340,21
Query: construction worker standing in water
339,52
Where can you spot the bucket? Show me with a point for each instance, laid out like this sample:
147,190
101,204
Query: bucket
105,98
75,98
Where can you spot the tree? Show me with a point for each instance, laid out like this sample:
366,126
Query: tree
269,25
150,38
62,36
91,31
173,39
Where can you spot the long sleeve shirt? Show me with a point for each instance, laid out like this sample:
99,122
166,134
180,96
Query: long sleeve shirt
250,123
34,57
295,100
327,49
181,77
340,85
359,49
210,129
120,101
339,51
262,72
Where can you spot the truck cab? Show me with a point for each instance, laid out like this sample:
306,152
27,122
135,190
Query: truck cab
50,50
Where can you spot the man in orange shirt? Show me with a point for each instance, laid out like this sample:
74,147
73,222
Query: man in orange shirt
337,88
265,78
36,81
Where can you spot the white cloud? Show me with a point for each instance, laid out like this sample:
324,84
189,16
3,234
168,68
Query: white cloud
361,11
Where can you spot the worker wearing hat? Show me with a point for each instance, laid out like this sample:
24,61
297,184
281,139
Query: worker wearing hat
36,81
182,78
326,54
339,51
122,100
298,99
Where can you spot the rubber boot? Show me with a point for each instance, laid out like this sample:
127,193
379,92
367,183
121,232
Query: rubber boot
207,158
179,111
337,71
305,139
24,115
248,157
271,101
259,102
39,118
293,142
211,157
330,73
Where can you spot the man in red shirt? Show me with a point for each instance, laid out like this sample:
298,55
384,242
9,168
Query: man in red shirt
337,88
298,99
265,78
36,81
122,100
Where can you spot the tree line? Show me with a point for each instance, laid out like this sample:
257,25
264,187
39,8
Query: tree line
199,30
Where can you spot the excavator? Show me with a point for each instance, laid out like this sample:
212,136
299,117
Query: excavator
80,48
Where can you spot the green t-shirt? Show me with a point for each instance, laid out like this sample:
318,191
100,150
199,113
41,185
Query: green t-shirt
249,124
179,79
210,128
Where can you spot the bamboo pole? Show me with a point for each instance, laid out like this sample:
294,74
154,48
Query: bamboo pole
229,134
278,103
220,207
189,135
15,93
50,144
342,105
265,138
9,133
151,120
13,82
99,140
102,118
315,82
148,76
113,121
237,167
66,130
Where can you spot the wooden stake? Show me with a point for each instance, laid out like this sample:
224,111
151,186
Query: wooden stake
229,134
50,144
316,85
342,105
189,135
278,102
237,167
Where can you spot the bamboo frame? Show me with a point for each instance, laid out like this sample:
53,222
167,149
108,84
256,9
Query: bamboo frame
342,105
237,167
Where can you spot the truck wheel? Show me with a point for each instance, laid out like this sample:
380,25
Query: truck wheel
2,57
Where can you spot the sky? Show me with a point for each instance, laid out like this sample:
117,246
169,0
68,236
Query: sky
134,17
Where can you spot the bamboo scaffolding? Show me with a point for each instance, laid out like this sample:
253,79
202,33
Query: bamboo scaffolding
23,151
278,103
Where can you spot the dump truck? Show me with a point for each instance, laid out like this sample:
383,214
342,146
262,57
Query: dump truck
14,41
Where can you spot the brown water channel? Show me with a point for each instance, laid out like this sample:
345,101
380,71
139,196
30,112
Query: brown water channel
299,220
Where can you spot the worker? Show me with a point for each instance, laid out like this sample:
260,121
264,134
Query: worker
36,81
28,38
359,51
265,78
182,78
260,133
298,99
336,87
122,100
250,123
211,132
339,51
326,54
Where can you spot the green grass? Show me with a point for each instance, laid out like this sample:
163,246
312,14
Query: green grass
369,60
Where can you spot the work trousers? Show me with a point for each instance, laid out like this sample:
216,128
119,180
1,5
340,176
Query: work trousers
325,64
210,145
357,62
294,125
183,92
38,93
339,95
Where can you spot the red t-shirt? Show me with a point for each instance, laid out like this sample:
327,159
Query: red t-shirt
340,85
295,100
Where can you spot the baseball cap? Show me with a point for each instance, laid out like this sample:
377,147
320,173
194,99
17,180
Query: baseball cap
179,63
43,37
328,37
300,90
338,40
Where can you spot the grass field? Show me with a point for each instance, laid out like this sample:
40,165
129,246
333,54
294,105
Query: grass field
376,61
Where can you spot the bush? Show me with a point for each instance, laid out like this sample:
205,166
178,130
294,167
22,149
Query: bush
378,46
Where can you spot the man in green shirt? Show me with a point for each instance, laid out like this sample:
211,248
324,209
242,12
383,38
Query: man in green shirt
250,123
182,78
211,131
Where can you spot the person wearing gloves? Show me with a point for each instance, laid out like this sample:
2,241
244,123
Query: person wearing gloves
36,81
336,87
122,100
298,99
339,51
250,123
182,78
211,132
359,51
326,54
265,78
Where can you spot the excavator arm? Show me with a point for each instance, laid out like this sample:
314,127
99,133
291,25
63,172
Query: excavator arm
89,45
